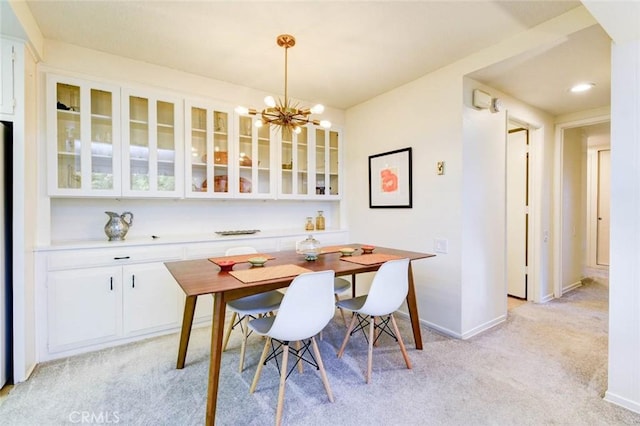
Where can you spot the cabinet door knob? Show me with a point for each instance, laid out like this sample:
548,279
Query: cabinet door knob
122,257
133,281
111,283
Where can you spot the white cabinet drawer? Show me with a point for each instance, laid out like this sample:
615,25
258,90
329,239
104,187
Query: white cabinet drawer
73,259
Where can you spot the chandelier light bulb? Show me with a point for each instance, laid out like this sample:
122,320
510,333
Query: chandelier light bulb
269,101
257,123
242,110
325,124
317,109
297,130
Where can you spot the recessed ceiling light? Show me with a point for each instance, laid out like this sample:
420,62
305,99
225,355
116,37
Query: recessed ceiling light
582,87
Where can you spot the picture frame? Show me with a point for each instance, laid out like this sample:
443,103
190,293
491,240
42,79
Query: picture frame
390,180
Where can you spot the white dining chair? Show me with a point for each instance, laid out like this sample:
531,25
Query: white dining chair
248,307
307,307
388,290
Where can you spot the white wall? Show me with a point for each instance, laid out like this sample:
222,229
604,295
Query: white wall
455,296
624,271
574,207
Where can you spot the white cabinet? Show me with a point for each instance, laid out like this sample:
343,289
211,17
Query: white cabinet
208,150
255,160
151,299
310,164
83,138
7,58
84,306
104,295
328,153
152,135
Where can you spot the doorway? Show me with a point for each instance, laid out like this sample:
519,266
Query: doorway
517,210
583,202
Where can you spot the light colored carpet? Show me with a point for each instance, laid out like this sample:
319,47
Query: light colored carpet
546,365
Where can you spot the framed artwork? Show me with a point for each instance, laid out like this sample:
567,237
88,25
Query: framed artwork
390,179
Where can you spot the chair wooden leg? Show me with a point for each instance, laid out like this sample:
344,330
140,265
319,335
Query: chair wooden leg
372,326
227,334
400,342
243,347
323,373
283,378
352,324
300,366
263,357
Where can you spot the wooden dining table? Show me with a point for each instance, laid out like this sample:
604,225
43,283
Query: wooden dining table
203,276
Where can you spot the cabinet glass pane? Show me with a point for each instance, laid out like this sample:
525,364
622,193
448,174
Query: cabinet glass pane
101,140
221,151
302,161
287,161
198,149
320,161
139,143
166,147
333,163
68,136
264,160
245,150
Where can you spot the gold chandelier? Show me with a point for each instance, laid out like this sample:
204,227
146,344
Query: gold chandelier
284,113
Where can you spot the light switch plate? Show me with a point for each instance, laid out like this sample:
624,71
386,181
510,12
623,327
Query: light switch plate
440,245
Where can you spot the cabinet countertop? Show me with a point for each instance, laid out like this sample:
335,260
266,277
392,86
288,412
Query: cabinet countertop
160,239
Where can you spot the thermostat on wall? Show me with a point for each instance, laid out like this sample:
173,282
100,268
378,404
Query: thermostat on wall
481,99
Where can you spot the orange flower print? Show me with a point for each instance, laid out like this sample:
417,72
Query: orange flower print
389,180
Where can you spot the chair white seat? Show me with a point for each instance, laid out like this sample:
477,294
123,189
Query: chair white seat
389,289
354,304
257,304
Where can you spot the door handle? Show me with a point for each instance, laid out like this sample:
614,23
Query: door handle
133,281
111,283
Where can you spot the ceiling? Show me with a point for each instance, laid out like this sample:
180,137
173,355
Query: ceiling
347,51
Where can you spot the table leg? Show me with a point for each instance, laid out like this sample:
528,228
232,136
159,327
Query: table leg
187,321
217,330
413,310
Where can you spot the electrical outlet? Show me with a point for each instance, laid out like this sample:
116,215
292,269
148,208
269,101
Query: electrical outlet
440,245
440,167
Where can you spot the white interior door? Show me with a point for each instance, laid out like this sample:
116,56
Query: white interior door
4,347
604,186
517,169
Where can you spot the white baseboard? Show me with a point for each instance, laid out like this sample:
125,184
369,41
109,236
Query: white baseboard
622,402
436,327
571,286
483,327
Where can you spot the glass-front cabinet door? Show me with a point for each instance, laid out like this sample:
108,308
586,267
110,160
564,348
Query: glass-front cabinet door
83,135
255,152
152,145
207,150
327,159
294,168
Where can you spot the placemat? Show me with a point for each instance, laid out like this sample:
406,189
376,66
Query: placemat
239,258
268,273
370,259
331,249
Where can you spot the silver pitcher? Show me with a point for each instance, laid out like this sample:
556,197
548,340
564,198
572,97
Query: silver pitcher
118,226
